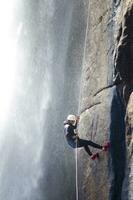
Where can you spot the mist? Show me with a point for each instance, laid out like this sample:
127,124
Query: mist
42,80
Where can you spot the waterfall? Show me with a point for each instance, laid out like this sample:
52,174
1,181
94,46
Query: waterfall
41,86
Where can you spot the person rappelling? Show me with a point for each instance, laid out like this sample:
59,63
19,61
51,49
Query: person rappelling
71,134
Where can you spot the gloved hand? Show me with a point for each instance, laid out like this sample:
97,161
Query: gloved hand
77,119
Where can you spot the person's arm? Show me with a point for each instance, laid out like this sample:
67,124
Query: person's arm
77,121
78,118
76,134
69,132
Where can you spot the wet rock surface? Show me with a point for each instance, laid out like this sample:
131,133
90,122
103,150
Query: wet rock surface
105,90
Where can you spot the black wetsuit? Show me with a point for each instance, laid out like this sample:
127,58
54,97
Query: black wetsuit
76,142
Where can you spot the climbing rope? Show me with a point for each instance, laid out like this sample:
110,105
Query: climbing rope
83,61
76,170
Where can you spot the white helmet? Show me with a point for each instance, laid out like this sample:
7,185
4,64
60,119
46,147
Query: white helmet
71,118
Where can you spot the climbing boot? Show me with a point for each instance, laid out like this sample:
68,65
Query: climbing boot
106,146
94,156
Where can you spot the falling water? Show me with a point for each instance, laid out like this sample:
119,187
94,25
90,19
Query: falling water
42,58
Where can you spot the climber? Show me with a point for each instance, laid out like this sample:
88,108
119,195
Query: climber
70,130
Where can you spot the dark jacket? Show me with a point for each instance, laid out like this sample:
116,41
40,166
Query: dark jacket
69,131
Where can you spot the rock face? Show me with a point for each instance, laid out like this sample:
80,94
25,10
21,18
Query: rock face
105,108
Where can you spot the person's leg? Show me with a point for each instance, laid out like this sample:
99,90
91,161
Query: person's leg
83,143
93,156
86,143
87,149
95,145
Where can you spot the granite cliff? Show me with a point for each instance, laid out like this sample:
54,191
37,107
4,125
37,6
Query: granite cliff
106,101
